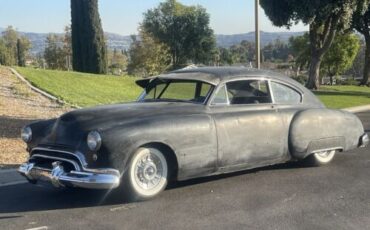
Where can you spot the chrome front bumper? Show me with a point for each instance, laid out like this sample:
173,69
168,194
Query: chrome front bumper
98,179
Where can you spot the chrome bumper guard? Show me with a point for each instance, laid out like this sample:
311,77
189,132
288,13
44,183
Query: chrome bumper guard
364,140
92,179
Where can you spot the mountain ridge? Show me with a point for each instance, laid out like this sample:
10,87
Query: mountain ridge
117,41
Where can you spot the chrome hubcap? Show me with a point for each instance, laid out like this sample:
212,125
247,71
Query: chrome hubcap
326,154
148,171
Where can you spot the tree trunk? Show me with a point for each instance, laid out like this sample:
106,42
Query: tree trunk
365,79
314,72
321,38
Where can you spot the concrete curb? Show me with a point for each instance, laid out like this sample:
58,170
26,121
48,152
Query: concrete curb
37,90
358,109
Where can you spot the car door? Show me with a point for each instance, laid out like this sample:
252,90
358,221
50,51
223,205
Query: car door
248,126
288,102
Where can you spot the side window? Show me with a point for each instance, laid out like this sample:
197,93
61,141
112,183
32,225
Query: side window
220,97
248,92
284,94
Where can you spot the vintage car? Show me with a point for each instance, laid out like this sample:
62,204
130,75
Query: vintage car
188,123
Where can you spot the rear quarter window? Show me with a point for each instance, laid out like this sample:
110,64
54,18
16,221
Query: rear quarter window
284,94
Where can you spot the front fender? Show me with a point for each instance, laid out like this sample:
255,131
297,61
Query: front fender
40,131
192,138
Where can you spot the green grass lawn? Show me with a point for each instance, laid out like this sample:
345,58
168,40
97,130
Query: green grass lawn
83,89
89,89
343,96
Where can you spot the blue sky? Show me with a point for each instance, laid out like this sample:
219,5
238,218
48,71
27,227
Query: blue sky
123,16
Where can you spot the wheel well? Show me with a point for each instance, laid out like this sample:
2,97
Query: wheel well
170,157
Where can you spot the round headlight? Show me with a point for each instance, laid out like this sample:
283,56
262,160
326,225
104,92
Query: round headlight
93,141
26,134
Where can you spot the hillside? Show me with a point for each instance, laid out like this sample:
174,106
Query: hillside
266,37
114,41
123,42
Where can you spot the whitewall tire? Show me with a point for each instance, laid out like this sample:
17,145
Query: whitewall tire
321,158
147,174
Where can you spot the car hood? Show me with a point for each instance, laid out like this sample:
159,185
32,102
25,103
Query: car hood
103,117
71,128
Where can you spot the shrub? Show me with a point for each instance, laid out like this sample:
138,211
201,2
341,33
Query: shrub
347,82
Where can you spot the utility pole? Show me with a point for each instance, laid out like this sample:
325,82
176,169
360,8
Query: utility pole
257,32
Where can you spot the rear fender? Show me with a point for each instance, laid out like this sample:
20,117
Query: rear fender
316,130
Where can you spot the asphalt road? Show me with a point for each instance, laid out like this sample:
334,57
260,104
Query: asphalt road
286,196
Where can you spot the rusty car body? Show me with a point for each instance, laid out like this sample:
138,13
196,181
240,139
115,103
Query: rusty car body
189,123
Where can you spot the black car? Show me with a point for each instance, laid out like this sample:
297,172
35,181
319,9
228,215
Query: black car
188,123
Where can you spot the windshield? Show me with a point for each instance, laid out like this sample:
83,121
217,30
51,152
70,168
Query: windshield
177,90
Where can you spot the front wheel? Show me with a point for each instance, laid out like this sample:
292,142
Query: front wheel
147,174
321,158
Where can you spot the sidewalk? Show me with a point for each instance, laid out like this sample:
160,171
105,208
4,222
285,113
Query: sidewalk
358,109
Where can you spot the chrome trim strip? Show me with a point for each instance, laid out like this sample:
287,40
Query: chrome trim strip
216,90
80,157
77,154
271,92
77,167
327,149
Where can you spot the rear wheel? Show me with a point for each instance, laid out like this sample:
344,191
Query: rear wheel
321,158
147,174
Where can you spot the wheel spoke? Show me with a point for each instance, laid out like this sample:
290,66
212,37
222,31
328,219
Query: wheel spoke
149,170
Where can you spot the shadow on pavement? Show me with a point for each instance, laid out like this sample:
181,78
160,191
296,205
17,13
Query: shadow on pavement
288,165
10,217
28,197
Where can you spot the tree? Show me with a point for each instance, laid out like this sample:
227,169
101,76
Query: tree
226,57
361,22
242,53
148,57
3,52
67,47
13,48
357,68
23,46
184,29
53,54
341,55
117,60
10,37
325,17
276,51
338,58
88,44
299,46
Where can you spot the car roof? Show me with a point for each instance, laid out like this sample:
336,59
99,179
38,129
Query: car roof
216,75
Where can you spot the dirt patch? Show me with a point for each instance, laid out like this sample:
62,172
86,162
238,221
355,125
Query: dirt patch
19,105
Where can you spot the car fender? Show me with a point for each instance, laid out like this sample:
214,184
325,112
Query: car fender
314,130
192,138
